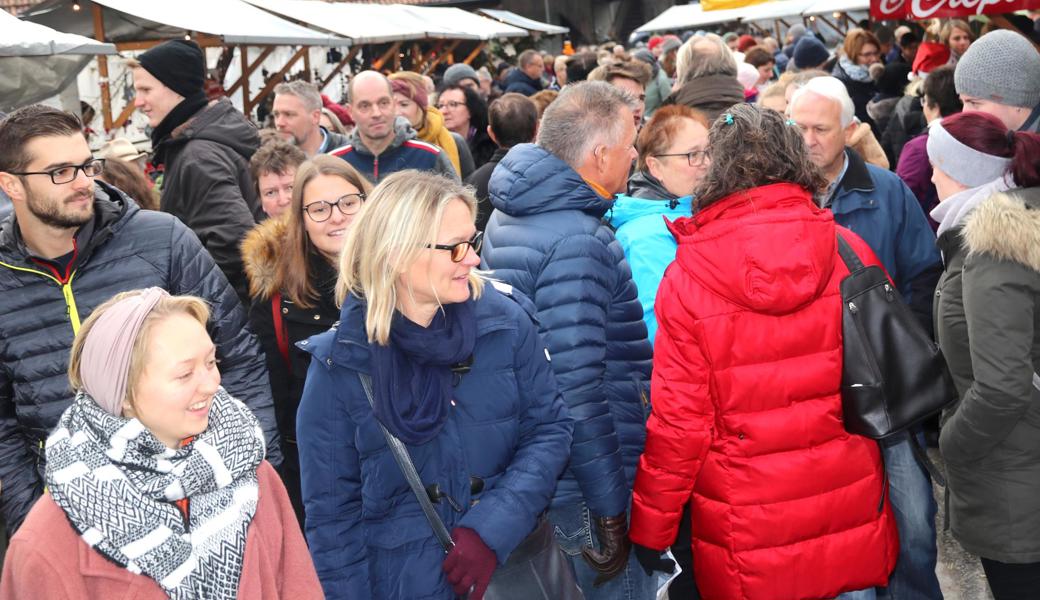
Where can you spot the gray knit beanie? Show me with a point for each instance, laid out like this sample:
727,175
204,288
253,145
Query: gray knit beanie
1001,66
458,72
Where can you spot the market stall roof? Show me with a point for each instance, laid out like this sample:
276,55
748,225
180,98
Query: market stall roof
821,7
233,21
511,18
22,38
466,22
689,16
768,11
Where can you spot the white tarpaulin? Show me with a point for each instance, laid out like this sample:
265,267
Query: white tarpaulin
466,22
234,21
822,7
690,16
511,18
768,11
37,62
362,23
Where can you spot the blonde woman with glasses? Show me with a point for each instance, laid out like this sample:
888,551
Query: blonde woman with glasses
456,371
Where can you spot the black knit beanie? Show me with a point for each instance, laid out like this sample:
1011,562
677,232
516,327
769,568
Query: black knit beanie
178,64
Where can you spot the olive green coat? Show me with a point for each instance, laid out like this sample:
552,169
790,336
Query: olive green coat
987,315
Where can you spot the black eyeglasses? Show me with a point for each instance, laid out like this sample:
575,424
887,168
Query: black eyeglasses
348,204
461,249
61,175
697,158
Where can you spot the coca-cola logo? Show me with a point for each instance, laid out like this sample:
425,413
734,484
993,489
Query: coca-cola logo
889,7
922,9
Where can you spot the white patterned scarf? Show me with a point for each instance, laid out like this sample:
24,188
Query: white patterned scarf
117,483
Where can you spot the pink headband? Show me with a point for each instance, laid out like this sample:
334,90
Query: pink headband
405,88
105,362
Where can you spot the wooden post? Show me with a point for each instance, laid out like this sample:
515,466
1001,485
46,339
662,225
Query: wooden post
441,57
275,79
243,55
377,64
307,64
106,89
248,70
332,74
476,51
124,116
833,26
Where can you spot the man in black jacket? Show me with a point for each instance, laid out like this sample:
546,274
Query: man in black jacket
513,119
71,244
204,148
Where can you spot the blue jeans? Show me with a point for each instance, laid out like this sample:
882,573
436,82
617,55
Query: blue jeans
910,491
867,594
572,525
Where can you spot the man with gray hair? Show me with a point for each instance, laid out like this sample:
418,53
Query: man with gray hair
877,206
297,117
547,239
706,76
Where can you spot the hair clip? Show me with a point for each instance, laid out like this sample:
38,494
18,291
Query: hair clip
791,123
727,119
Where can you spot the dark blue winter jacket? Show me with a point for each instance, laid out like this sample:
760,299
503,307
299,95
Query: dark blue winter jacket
518,81
508,426
547,238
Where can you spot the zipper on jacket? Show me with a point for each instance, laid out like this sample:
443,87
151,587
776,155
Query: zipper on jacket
375,169
64,282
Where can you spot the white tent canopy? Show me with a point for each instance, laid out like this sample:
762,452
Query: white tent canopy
465,22
511,18
234,21
768,11
22,38
821,7
689,16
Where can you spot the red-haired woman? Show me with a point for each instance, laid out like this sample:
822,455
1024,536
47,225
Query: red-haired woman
988,325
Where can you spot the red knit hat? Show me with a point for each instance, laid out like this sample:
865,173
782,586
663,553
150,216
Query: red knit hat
744,42
930,56
339,111
654,42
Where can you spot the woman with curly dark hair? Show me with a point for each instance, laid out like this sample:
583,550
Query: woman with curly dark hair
746,422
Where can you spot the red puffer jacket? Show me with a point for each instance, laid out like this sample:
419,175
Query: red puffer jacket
747,409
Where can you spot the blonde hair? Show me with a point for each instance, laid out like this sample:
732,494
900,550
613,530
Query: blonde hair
399,221
192,306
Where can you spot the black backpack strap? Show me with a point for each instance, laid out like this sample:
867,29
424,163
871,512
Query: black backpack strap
849,255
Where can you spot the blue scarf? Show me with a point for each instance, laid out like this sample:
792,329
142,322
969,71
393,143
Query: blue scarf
412,374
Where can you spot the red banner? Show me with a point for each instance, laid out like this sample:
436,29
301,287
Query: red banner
887,10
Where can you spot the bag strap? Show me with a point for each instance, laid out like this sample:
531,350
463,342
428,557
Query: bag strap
404,462
281,336
848,255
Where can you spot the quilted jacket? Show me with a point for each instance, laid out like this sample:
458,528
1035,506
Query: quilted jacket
507,427
547,238
786,505
123,248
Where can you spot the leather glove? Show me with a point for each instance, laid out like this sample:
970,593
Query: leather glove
469,565
612,556
653,560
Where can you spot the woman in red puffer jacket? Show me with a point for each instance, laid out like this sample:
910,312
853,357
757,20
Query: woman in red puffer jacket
747,417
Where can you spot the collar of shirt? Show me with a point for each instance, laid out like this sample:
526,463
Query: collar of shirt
832,187
322,149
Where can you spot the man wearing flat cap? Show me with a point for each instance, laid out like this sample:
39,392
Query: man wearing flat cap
204,148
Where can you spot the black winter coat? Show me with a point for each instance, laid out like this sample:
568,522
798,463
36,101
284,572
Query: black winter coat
207,185
123,248
479,180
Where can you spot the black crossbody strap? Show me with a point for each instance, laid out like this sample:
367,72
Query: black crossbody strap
404,462
848,255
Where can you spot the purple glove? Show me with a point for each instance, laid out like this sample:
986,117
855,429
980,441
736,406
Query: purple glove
470,564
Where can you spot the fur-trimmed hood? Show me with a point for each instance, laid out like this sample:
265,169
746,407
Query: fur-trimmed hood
1007,226
262,251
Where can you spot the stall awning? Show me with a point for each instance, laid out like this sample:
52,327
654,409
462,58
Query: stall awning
822,7
465,22
22,38
511,18
233,21
690,16
781,9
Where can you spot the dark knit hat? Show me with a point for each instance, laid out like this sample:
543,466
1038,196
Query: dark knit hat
459,71
178,64
810,53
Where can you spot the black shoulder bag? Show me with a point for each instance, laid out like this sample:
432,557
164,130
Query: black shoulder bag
535,570
893,376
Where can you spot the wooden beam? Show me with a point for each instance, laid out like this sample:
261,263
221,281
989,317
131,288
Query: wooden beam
247,69
124,116
377,64
243,52
833,26
476,51
435,51
249,104
339,67
307,64
131,46
106,89
440,57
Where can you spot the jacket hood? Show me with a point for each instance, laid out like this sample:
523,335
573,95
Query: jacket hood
402,133
262,250
1007,226
711,90
530,180
222,123
770,249
628,208
645,185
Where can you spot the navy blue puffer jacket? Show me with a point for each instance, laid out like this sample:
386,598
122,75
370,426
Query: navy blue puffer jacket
547,239
123,248
507,426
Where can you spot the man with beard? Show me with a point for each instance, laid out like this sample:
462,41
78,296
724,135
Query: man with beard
297,117
204,148
71,244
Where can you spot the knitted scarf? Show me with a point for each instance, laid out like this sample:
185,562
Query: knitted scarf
117,483
854,71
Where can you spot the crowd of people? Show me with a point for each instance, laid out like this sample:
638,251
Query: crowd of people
583,310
